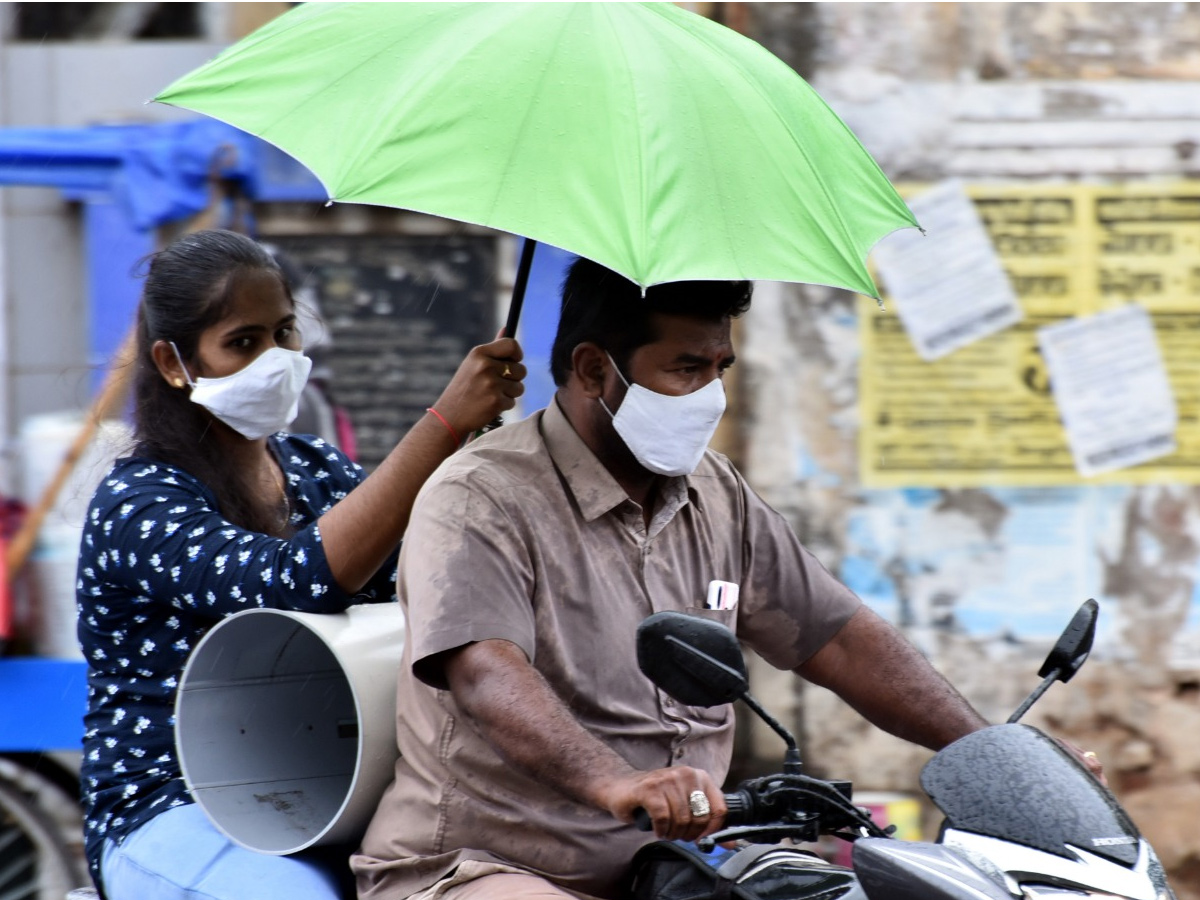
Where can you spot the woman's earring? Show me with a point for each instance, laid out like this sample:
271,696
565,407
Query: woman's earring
178,382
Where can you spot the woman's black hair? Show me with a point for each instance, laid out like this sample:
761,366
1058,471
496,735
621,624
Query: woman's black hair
600,306
189,288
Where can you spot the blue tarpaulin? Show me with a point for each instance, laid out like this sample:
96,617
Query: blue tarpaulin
158,173
132,179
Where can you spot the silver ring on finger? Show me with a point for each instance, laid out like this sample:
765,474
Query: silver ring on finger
698,804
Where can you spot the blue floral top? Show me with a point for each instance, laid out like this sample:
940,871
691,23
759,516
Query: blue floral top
158,567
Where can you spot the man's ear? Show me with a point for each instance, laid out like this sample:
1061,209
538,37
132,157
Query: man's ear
168,364
589,365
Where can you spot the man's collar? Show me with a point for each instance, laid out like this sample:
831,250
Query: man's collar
592,485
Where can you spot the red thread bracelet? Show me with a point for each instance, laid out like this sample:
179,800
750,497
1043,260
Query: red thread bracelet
449,427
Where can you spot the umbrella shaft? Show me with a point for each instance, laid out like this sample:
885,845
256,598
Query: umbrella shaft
518,294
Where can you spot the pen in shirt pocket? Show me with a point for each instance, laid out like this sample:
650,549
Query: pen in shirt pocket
721,595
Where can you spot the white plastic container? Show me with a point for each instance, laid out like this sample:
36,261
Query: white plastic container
45,441
285,724
53,618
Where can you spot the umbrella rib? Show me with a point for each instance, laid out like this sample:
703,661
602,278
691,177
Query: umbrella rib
286,112
642,265
299,17
825,188
521,130
722,196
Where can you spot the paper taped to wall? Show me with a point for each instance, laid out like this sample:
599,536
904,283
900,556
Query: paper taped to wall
1111,386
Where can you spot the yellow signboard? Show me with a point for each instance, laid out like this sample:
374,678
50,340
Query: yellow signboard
984,415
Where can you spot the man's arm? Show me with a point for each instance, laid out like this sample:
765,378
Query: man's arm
874,668
521,716
871,666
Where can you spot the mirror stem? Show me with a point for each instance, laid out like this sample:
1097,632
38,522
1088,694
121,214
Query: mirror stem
791,762
1032,698
791,759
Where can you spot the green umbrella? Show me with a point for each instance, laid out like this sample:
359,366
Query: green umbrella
642,136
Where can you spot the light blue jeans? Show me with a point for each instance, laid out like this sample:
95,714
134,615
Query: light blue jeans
179,855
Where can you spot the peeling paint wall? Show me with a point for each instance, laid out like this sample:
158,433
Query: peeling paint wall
982,579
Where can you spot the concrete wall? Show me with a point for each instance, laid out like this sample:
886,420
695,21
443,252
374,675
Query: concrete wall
1026,93
44,351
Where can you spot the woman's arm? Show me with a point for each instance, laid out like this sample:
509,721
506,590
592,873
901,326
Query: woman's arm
155,531
361,531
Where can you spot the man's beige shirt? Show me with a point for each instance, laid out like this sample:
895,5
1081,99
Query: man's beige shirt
526,537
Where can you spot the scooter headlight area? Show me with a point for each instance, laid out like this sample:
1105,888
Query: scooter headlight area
1024,818
1039,892
1076,873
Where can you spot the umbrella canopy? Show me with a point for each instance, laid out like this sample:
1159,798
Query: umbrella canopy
647,138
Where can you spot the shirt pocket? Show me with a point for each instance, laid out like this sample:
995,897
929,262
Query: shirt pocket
726,617
722,714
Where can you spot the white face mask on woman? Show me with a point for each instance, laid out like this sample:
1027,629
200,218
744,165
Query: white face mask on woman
261,399
668,434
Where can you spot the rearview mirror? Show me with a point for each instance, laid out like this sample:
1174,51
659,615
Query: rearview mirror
1074,645
1067,655
694,660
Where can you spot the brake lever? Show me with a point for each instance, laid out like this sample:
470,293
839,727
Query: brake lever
852,836
756,834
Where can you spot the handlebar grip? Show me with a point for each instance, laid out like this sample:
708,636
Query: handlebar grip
738,810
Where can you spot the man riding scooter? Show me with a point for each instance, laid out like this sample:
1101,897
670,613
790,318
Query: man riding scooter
528,737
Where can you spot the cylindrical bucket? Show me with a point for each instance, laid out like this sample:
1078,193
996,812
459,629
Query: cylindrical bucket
46,441
285,724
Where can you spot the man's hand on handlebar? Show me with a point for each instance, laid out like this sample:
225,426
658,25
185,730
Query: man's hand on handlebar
1089,759
666,796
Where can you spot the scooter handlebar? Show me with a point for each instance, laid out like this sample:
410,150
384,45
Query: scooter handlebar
736,813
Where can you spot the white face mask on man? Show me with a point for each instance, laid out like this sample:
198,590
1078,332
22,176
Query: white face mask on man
261,399
668,434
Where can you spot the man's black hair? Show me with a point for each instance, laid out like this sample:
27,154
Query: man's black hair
600,306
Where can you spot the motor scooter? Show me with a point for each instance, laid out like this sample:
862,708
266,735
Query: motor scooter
1023,818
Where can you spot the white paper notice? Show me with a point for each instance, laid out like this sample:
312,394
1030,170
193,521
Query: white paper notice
1111,387
948,284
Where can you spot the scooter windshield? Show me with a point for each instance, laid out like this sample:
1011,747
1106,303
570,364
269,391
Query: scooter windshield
1014,783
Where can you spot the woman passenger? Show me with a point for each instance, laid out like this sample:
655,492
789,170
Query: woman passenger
215,512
